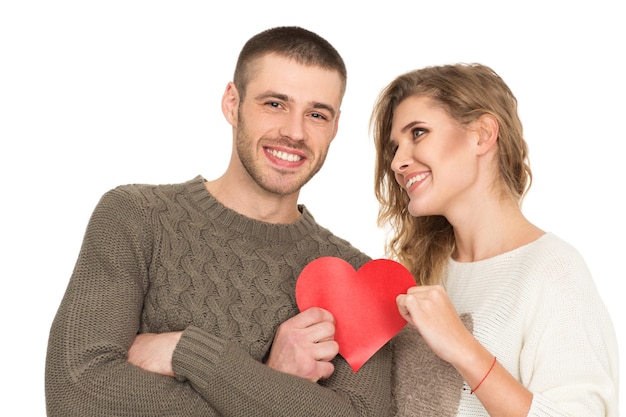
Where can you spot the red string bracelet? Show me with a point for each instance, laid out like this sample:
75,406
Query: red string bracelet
486,375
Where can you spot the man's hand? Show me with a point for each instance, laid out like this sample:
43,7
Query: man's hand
304,345
153,352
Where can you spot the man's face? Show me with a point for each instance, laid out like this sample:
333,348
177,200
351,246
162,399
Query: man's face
286,122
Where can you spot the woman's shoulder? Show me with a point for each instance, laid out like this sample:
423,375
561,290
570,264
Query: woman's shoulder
550,249
555,266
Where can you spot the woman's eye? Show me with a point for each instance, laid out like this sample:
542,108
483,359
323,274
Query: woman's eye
417,132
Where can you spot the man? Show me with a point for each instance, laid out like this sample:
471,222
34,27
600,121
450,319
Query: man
182,299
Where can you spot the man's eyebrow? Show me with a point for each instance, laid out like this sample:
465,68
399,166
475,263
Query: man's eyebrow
324,106
271,94
286,98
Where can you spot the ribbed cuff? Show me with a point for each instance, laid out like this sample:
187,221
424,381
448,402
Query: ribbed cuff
540,406
196,353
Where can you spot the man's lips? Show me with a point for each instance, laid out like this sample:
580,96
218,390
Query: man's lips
283,155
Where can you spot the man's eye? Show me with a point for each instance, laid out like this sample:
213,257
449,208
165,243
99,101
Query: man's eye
274,104
318,116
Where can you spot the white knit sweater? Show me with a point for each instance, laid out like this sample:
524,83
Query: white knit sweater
537,310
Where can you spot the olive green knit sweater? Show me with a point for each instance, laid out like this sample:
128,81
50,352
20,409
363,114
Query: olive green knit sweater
169,258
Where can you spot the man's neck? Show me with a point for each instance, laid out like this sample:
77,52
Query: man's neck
254,202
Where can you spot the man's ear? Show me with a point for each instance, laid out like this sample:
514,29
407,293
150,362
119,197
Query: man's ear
487,128
230,104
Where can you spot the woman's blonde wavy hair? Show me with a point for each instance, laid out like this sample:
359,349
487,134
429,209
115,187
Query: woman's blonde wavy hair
466,92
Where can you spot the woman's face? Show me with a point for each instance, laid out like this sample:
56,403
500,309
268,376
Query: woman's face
435,159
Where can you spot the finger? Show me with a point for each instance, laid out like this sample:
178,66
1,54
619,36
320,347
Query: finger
325,369
424,290
401,302
326,351
320,332
412,304
406,309
414,290
312,316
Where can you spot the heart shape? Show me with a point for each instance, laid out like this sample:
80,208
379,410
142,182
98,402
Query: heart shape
363,302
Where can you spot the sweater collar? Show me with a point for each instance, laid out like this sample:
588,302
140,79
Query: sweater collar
238,223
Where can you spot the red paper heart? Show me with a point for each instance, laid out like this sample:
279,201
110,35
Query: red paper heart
363,302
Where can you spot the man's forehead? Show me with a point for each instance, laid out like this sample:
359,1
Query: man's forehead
295,82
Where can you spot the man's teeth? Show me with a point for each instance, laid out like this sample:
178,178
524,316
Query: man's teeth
415,179
285,156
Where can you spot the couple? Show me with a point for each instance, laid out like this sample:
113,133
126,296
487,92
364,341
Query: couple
182,299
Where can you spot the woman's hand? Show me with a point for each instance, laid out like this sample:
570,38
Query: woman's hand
429,310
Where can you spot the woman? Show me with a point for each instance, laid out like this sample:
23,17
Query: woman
510,315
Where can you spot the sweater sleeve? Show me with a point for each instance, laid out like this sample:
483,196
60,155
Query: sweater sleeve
238,385
569,361
87,372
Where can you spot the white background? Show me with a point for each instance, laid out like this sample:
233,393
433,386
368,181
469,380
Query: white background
97,94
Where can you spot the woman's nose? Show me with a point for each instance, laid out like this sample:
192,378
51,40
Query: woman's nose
401,160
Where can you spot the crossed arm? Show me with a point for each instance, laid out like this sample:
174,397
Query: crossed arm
304,346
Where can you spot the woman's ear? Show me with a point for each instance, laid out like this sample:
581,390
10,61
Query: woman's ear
230,104
487,128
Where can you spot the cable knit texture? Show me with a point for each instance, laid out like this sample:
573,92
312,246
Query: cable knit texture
538,311
422,384
159,258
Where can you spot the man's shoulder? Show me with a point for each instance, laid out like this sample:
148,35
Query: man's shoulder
148,195
146,190
133,187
